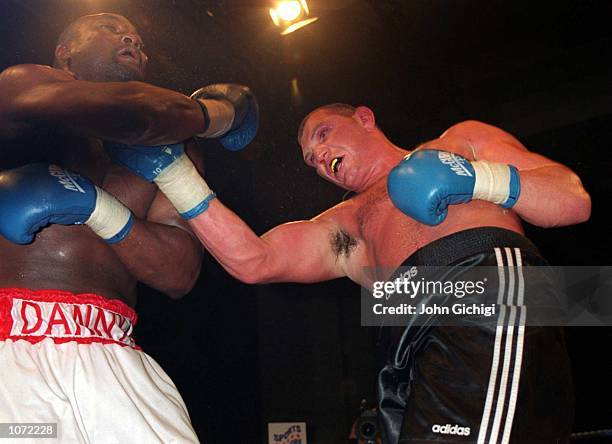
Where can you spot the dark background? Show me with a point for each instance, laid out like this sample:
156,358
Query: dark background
242,355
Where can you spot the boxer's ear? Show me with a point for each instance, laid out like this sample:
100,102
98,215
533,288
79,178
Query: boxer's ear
365,116
62,57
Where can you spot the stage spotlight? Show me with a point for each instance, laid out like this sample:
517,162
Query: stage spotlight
291,15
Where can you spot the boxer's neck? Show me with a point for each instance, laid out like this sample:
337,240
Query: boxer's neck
390,156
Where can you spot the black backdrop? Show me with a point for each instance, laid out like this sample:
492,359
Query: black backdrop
245,355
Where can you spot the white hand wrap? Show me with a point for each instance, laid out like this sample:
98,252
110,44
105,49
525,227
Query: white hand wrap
183,185
110,219
492,181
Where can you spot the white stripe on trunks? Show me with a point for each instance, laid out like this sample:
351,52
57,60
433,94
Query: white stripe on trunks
504,336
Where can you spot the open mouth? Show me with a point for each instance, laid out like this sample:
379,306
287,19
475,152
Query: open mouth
129,54
335,164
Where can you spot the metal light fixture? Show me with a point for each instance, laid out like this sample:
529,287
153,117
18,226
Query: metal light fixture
291,15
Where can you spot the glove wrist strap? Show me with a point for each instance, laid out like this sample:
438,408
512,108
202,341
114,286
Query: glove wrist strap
494,182
184,187
220,115
110,219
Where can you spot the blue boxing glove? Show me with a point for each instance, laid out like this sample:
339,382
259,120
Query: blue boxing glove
145,161
39,194
426,182
232,114
170,168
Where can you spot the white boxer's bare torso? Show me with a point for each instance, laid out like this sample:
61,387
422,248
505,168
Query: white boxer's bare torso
382,236
345,147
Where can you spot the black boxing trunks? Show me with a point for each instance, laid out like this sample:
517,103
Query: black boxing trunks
509,383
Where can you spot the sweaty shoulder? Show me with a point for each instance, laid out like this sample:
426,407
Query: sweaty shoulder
340,214
480,134
16,84
31,74
343,216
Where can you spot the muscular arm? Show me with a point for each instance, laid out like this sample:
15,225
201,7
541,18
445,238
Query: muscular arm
161,252
127,112
292,252
551,194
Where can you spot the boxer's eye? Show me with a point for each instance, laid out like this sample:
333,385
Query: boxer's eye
111,28
323,134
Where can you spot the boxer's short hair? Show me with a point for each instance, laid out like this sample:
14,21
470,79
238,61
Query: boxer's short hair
70,33
342,109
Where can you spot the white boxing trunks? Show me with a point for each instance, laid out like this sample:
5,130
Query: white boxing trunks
69,359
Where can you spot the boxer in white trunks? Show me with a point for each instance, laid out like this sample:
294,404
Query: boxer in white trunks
67,292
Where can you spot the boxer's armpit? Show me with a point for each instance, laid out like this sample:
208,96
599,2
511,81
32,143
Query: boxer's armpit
342,243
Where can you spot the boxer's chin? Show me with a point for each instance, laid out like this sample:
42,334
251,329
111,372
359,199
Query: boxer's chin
118,72
127,73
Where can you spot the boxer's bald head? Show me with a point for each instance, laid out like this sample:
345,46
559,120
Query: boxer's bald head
101,47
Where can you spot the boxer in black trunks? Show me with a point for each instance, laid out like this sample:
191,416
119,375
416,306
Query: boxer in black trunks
477,378
368,232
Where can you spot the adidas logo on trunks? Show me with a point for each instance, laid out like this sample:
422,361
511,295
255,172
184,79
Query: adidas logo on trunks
451,430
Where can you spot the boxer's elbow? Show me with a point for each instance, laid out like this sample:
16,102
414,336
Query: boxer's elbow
570,211
177,294
249,278
570,205
181,284
180,280
249,273
253,268
578,203
582,207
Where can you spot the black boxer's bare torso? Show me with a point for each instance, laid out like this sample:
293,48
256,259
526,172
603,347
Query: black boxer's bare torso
71,258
